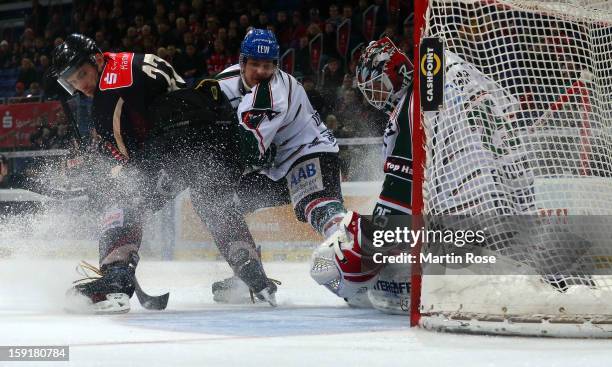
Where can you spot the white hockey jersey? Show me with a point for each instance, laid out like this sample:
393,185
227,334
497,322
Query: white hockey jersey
474,157
277,112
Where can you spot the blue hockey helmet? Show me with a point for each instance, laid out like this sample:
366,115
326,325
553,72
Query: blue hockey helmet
259,44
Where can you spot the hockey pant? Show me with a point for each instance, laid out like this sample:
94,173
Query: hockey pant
312,186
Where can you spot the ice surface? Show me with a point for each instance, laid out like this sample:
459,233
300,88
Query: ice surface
309,328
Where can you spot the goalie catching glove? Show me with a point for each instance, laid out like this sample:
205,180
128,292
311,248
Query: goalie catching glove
341,264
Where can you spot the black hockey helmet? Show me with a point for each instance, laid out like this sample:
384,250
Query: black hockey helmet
67,57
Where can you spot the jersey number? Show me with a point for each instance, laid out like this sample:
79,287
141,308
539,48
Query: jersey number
381,216
150,67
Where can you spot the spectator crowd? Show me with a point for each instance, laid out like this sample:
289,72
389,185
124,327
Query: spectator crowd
200,38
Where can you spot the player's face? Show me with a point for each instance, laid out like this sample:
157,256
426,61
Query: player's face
256,71
85,79
3,169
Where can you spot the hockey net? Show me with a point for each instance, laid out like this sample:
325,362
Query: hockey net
526,154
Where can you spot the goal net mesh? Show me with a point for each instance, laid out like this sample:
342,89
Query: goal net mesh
523,143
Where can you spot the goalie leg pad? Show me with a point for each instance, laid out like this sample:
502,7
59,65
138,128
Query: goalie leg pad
339,263
391,292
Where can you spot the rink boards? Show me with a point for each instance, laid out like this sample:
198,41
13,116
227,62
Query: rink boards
63,230
278,232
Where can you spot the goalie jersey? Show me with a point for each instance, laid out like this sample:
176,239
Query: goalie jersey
396,194
474,155
278,123
475,159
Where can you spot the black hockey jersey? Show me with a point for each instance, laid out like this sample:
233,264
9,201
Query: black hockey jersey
128,85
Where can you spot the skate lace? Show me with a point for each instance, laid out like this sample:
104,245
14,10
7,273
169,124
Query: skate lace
88,271
252,294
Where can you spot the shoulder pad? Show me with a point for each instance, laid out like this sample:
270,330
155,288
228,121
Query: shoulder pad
117,72
228,74
209,87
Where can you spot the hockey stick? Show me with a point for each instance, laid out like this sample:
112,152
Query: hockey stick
150,302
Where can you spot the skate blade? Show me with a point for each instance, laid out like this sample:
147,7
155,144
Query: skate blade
268,297
272,301
115,303
233,298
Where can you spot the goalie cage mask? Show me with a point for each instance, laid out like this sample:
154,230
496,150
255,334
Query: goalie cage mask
383,71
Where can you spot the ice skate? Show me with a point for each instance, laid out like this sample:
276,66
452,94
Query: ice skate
234,291
268,294
105,291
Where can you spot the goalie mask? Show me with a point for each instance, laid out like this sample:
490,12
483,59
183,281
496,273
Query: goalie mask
383,71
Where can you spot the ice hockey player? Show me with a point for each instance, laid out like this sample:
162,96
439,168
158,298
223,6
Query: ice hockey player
161,139
280,127
384,76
